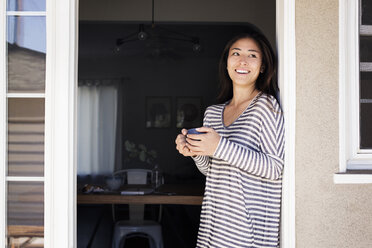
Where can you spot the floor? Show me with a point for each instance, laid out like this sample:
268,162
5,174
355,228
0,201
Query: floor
179,227
137,242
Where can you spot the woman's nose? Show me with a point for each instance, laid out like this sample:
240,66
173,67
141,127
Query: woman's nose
243,60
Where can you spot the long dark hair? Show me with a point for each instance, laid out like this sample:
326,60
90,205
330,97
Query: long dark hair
266,81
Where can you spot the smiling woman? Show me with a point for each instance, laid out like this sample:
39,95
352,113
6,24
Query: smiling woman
244,62
257,49
241,151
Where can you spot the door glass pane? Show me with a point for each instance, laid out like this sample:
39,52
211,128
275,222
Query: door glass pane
25,5
26,54
365,48
26,137
366,12
25,216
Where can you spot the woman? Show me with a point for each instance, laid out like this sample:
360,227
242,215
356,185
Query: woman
241,150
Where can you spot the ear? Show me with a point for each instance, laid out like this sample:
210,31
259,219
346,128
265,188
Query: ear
262,69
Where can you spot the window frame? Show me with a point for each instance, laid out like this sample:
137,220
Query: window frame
60,115
4,96
351,157
3,112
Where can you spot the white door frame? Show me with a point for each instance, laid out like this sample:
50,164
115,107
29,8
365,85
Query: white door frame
286,47
60,124
60,133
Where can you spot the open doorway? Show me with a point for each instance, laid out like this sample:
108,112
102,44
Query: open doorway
127,85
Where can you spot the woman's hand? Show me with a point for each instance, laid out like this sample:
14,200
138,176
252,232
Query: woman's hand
181,144
203,144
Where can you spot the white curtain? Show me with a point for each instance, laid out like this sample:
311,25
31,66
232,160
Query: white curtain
97,118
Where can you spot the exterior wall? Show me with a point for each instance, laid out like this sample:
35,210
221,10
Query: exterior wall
327,215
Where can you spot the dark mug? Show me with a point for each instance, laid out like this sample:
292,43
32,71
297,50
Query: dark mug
193,131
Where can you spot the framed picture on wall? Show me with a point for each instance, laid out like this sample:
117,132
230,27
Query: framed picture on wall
189,112
158,112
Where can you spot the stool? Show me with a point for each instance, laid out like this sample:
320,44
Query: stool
127,227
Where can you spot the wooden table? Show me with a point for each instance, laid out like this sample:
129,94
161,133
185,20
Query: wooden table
182,194
25,231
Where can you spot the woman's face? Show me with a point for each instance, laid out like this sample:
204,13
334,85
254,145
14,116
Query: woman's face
244,62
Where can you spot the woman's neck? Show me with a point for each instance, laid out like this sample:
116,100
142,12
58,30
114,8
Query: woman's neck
242,96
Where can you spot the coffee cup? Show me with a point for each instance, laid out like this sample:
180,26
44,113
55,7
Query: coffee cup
193,131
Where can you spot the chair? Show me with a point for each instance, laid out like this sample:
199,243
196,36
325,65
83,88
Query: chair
136,225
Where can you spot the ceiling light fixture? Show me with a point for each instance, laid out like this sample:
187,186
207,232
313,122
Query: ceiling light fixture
143,35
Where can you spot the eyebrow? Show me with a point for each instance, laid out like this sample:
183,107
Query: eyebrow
249,50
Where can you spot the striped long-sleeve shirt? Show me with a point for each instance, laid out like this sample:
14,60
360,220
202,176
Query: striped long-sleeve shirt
241,205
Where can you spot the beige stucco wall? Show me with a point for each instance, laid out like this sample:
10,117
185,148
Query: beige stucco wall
327,215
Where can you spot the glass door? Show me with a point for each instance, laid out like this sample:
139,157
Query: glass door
25,118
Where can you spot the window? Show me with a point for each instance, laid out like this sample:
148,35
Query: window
355,88
24,87
365,81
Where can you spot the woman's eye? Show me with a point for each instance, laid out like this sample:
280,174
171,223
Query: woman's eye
253,56
235,54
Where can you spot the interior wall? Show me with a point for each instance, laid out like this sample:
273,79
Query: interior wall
260,13
155,68
327,215
100,27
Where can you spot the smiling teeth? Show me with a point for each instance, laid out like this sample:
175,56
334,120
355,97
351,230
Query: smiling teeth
241,71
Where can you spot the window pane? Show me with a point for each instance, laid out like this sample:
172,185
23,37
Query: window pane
25,137
366,85
365,125
366,12
25,215
26,37
365,49
26,5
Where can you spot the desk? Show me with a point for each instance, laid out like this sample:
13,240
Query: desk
183,194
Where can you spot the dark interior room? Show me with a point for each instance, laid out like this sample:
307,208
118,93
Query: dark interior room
142,78
159,68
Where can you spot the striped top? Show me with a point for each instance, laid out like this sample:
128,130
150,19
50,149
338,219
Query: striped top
241,205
